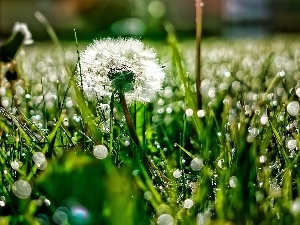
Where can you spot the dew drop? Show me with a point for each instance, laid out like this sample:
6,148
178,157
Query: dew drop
227,74
177,173
21,189
165,219
189,112
262,159
295,206
298,92
291,144
264,119
38,158
233,181
293,108
196,164
281,73
100,151
220,163
201,113
188,203
148,195
15,165
60,217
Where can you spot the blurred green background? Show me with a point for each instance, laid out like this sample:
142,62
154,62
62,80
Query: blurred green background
145,18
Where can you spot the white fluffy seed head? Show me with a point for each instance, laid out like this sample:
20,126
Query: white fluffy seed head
120,65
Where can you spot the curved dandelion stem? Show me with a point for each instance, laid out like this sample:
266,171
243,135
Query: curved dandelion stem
129,121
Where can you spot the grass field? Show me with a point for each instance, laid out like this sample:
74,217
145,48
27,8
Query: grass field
65,159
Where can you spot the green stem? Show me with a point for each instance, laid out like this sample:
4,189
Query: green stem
129,121
111,128
198,52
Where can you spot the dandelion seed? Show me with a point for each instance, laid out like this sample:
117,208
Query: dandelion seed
188,203
100,151
21,189
123,66
168,92
177,173
293,108
23,28
169,110
189,112
165,219
2,203
196,164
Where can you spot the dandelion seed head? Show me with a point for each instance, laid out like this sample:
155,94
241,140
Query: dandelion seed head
100,151
293,108
23,28
125,66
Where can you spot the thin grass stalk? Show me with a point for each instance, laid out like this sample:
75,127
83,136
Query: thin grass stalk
198,52
111,124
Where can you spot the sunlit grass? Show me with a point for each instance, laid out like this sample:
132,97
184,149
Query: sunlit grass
233,162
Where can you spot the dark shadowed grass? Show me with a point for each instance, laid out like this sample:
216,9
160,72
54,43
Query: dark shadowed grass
233,162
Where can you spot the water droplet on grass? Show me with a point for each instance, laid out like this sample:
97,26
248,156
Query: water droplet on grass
177,173
295,206
188,203
196,164
38,158
15,165
100,151
293,108
189,112
60,217
21,189
291,144
233,181
227,74
201,113
148,195
165,219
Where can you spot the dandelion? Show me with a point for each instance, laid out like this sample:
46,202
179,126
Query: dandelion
121,66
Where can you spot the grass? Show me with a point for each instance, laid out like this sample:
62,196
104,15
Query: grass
233,162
